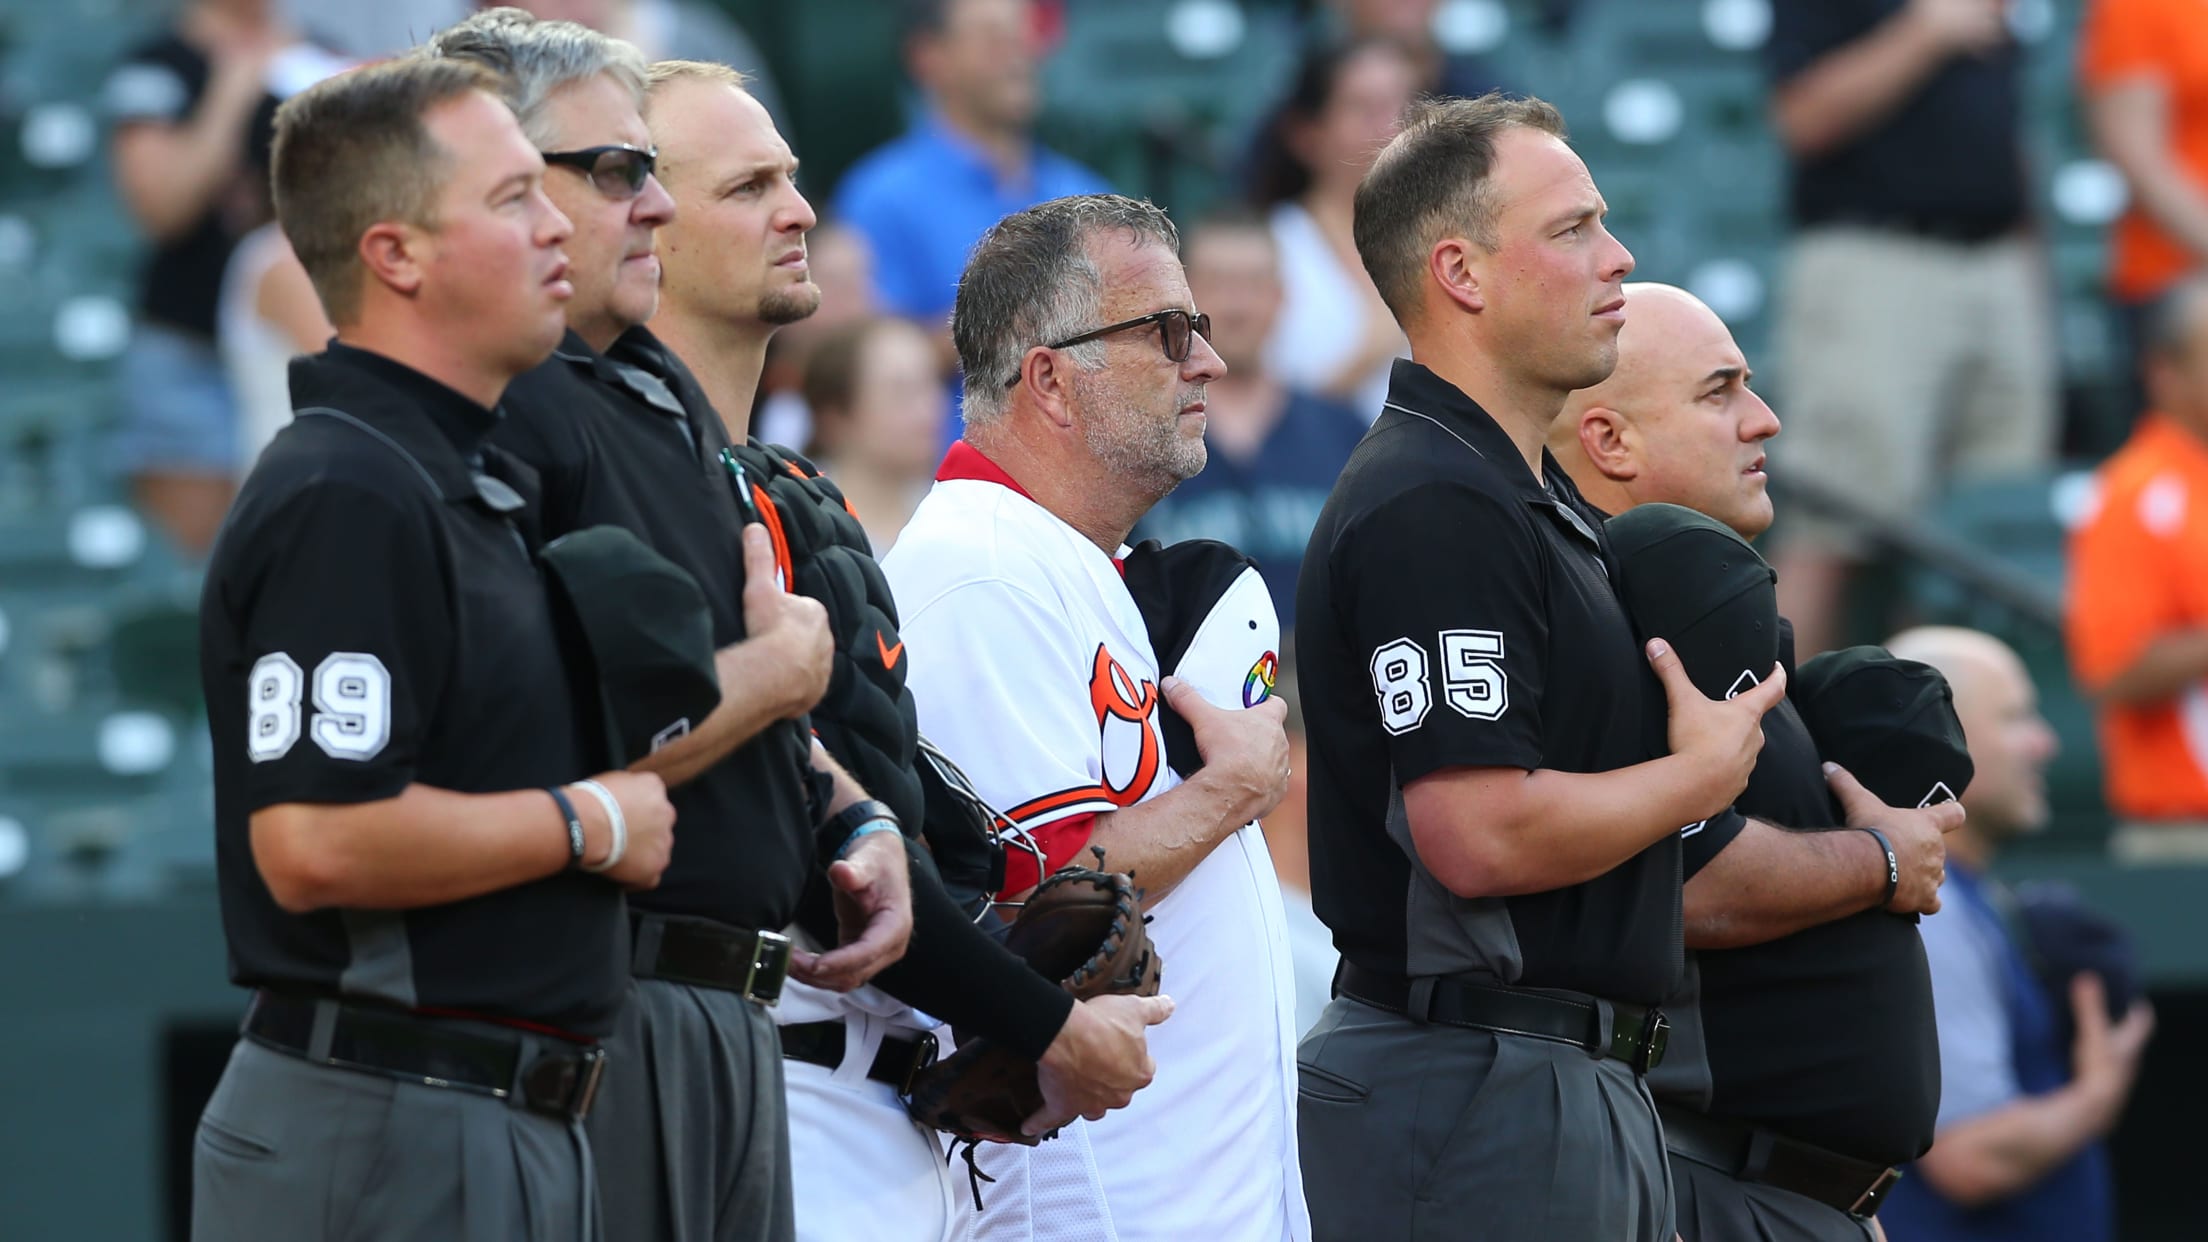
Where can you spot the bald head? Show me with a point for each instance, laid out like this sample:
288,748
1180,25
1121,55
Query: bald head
2010,743
1676,422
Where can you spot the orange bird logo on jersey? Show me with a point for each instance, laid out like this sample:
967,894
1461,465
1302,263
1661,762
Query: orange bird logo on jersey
1131,748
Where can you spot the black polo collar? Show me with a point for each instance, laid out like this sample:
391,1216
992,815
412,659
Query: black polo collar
438,428
633,365
1416,392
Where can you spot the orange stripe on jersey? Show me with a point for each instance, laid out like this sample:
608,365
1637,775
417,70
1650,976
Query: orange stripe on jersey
771,517
1036,807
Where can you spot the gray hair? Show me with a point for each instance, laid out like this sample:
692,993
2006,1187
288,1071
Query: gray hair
1031,281
536,58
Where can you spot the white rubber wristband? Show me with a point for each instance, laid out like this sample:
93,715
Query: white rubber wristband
614,819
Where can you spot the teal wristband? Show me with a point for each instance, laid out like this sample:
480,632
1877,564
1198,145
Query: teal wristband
870,827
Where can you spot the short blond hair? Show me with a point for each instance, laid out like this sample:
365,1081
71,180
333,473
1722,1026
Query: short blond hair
352,152
664,71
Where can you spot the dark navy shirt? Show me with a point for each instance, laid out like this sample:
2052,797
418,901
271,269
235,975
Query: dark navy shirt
1267,503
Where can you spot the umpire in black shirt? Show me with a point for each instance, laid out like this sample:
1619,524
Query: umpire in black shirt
433,956
1822,1065
1498,863
690,1136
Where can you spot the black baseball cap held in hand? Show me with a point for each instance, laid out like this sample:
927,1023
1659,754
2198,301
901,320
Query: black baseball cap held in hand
1890,722
647,633
1691,581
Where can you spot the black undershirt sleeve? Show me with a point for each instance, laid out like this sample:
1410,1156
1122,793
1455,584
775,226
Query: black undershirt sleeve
959,973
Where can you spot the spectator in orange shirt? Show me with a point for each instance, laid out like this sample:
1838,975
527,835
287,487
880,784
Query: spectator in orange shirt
2138,623
2143,71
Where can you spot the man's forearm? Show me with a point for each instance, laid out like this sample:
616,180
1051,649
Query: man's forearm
1853,88
1501,832
2130,123
751,700
1162,840
425,847
1769,882
2162,672
2006,1151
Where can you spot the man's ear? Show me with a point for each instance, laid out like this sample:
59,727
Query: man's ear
1610,444
392,254
1457,267
1047,375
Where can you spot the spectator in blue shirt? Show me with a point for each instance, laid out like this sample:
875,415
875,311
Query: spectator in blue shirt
1275,449
969,161
2018,1155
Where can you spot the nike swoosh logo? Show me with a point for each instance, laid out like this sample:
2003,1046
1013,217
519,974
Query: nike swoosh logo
890,655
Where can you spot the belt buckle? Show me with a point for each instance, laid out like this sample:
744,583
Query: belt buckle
1866,1204
924,1052
769,967
1655,1038
564,1083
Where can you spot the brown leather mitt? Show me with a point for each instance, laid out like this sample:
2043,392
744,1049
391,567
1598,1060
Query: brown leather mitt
1080,927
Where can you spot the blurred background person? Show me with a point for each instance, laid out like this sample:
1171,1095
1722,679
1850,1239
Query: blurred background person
1915,333
267,315
2018,1155
2138,596
2143,75
1333,336
1409,24
879,411
1275,449
969,159
194,111
843,268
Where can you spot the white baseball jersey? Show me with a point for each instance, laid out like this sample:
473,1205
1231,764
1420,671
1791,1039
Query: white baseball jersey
1032,668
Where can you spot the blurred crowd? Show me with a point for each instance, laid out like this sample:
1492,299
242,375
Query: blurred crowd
1915,339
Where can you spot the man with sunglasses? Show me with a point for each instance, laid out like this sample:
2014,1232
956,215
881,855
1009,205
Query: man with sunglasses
736,272
1085,368
690,1142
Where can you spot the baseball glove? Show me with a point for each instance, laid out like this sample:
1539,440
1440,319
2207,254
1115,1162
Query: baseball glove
1081,927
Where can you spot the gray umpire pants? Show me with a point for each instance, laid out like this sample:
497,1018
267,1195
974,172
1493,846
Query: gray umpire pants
1717,1207
291,1151
690,1129
1417,1131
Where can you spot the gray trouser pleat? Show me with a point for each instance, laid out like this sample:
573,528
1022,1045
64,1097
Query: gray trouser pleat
290,1151
690,1128
1436,1132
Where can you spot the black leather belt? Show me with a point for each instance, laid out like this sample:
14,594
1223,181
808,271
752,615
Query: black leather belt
541,1073
1634,1034
706,954
1755,1154
895,1062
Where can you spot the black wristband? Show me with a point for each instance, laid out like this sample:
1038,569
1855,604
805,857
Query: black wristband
1893,866
574,825
840,826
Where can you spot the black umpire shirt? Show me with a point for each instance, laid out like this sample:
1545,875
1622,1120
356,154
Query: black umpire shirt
616,445
1454,611
1826,1035
371,620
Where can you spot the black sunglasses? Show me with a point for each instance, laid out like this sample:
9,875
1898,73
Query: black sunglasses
617,171
1177,331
